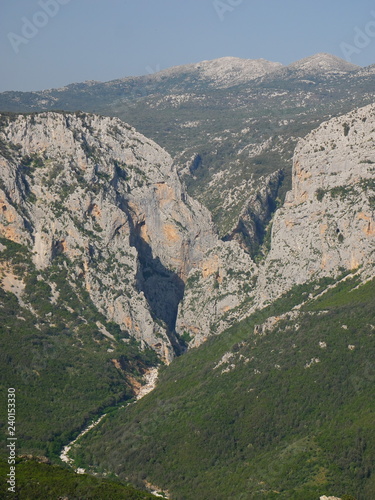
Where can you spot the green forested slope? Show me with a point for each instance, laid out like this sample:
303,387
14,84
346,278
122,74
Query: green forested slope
290,414
55,357
40,481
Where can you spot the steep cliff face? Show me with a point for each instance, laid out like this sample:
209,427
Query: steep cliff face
327,222
93,190
218,292
250,230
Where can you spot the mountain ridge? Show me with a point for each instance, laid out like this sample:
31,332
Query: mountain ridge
224,140
223,72
228,70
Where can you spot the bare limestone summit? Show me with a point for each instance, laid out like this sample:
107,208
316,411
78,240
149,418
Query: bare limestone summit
323,63
223,72
318,66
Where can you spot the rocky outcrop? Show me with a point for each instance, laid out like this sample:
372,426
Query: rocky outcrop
251,227
327,223
93,191
218,292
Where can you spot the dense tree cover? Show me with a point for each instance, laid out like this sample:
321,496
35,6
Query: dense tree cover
37,481
56,358
292,419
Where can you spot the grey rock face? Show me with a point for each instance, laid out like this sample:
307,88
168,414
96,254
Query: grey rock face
93,190
327,222
78,185
218,292
239,118
250,230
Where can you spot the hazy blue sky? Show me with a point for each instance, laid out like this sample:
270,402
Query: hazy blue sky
76,40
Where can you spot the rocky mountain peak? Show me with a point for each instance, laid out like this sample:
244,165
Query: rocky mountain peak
225,71
233,70
323,63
